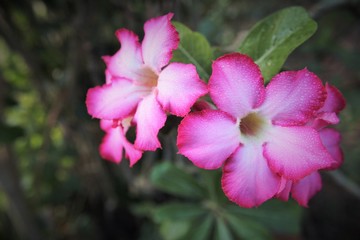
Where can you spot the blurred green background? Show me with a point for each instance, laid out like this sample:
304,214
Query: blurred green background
54,185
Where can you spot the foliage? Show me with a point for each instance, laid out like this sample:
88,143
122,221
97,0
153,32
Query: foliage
208,214
272,39
195,49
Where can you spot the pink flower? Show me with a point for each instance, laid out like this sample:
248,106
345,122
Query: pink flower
141,82
259,134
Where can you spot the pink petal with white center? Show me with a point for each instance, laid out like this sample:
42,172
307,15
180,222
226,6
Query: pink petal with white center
295,152
115,100
114,143
149,118
293,97
334,102
306,188
247,180
179,86
331,140
161,38
127,61
208,138
236,85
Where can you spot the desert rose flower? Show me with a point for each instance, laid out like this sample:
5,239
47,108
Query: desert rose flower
260,135
141,82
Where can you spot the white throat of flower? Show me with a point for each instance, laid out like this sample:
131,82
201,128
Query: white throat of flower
147,77
253,127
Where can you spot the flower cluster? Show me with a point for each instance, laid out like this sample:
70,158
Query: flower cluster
271,141
141,88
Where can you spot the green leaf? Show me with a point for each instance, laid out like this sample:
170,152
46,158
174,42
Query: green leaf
171,179
222,230
201,229
245,228
172,230
195,49
181,29
280,217
272,39
8,134
148,231
144,209
211,180
178,211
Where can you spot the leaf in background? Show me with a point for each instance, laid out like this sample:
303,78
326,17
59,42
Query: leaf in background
178,211
172,230
211,180
245,228
280,217
9,134
181,29
201,229
222,230
193,48
271,40
171,179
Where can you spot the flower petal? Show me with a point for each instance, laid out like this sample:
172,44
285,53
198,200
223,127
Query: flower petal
295,152
115,100
105,125
161,38
236,85
108,76
306,188
208,138
292,97
324,119
284,190
247,180
149,118
128,60
334,102
113,144
331,140
111,147
179,87
131,152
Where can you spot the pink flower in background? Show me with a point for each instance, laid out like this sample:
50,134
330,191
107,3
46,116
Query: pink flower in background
141,83
262,136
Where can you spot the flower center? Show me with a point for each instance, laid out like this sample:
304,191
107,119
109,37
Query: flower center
147,77
252,124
